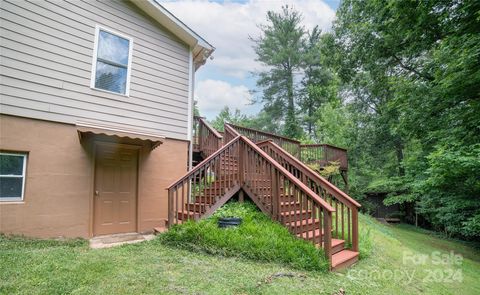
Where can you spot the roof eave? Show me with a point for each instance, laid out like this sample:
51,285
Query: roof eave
201,49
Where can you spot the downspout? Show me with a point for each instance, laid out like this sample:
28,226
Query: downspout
191,82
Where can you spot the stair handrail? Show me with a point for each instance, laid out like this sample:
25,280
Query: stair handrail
205,161
332,189
242,151
230,132
292,178
213,130
211,140
317,206
323,183
287,174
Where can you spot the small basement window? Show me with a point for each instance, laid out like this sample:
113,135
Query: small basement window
12,176
112,58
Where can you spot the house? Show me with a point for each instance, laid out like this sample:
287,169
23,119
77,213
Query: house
96,113
96,133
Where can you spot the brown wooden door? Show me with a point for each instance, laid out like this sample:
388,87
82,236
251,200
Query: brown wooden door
115,205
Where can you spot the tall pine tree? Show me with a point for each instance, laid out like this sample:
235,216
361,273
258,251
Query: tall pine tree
280,48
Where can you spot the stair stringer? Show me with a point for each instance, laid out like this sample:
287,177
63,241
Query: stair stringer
227,196
257,202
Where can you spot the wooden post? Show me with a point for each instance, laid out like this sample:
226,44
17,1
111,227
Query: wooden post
170,207
241,172
275,196
200,136
241,163
327,238
345,179
241,197
355,229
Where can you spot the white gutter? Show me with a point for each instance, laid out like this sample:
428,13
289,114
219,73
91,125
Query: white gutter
191,76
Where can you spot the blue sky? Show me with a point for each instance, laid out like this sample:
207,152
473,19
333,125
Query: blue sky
227,79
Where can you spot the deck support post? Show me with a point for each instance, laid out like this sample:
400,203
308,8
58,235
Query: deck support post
327,238
355,229
241,163
170,208
344,175
241,197
275,195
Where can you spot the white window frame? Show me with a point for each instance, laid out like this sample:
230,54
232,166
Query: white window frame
16,176
99,28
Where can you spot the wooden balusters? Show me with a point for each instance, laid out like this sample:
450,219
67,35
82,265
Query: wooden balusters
281,188
323,154
342,227
291,145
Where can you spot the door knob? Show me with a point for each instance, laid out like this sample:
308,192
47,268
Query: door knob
96,193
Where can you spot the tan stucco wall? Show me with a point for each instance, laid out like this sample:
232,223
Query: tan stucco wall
59,185
157,170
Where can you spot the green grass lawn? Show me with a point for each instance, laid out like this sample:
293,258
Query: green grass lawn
257,238
51,267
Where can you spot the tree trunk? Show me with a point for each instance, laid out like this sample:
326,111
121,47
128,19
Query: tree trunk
290,122
309,120
399,151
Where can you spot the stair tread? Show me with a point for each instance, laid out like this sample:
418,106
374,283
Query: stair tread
202,204
335,243
302,222
311,233
293,203
295,212
343,256
187,212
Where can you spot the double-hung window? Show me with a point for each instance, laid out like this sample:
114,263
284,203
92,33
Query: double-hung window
12,176
112,60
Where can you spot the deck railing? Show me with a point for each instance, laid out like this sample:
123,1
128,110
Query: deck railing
288,144
195,133
199,189
323,155
345,218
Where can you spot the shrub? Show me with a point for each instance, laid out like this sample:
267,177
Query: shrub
258,238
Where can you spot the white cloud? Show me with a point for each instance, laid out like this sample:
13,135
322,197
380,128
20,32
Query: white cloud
213,95
228,25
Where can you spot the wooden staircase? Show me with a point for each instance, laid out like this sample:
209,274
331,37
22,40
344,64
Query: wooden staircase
278,183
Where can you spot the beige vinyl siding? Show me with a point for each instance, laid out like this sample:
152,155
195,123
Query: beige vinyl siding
46,61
